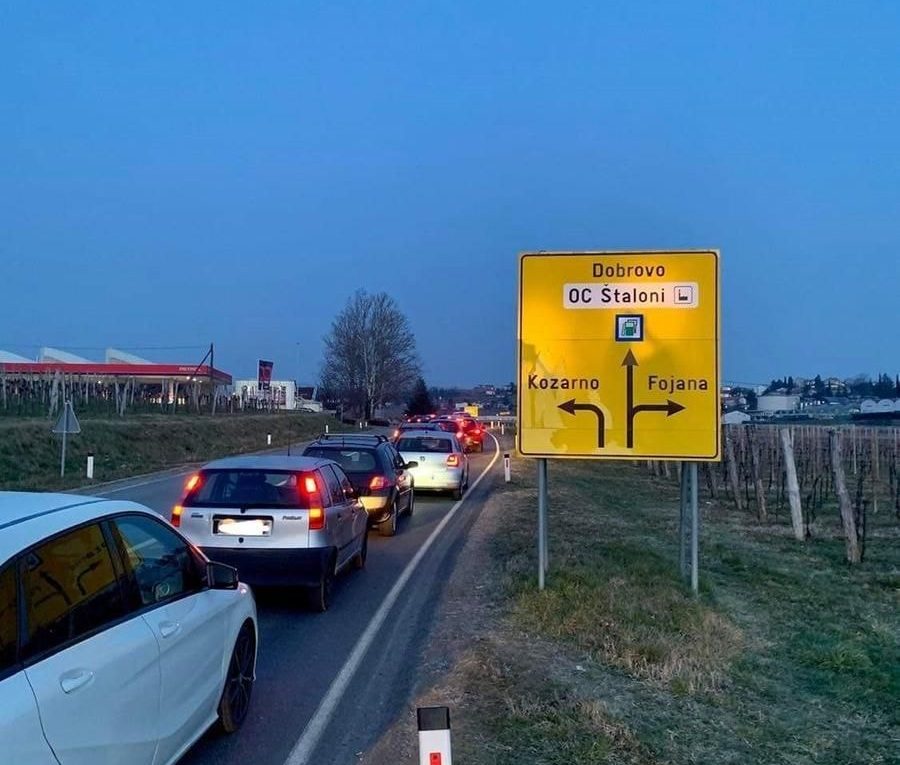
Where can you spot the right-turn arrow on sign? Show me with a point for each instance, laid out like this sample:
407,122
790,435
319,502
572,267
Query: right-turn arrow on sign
619,355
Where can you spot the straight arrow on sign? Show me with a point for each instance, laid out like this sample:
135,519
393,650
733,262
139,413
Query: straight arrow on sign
670,407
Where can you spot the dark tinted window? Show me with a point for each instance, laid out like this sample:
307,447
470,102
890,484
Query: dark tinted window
334,485
70,587
425,444
159,562
346,486
449,427
350,459
248,488
9,622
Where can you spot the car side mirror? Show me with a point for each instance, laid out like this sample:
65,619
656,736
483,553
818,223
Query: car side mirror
411,464
221,577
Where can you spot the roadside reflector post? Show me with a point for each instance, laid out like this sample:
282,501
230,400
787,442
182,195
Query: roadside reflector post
542,522
434,736
502,429
90,465
326,428
506,470
268,439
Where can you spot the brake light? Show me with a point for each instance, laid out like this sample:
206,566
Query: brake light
176,515
378,483
310,487
316,519
192,483
453,460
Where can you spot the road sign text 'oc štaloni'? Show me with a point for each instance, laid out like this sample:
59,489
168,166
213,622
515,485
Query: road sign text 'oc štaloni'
619,355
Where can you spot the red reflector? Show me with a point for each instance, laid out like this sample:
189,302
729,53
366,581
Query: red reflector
316,518
434,758
378,482
453,460
176,515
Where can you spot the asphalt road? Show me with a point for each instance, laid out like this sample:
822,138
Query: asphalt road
301,654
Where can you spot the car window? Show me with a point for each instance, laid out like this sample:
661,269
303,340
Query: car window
159,562
346,485
397,461
334,485
351,460
425,444
9,622
247,488
70,587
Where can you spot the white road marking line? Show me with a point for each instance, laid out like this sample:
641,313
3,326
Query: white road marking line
312,733
145,483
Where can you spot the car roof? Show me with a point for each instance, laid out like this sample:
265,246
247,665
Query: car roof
266,462
29,517
429,433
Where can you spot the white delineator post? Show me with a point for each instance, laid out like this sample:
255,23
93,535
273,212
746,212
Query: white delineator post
506,468
434,736
268,439
90,465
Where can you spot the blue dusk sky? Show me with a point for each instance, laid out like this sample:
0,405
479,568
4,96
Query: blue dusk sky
176,173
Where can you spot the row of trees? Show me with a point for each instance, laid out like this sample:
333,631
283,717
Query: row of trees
883,386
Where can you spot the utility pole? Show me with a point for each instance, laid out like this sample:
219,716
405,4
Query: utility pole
212,379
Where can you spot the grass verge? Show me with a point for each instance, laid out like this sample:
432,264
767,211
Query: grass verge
788,656
30,454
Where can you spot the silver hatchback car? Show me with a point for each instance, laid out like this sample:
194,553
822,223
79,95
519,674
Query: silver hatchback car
440,462
281,521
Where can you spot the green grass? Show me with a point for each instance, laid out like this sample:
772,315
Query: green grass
788,656
30,454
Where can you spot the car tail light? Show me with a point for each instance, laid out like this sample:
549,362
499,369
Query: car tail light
176,515
310,487
192,483
316,519
378,483
453,460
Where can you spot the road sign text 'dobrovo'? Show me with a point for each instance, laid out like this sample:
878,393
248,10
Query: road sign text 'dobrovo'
619,355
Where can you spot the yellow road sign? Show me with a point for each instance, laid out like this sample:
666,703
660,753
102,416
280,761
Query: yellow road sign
619,355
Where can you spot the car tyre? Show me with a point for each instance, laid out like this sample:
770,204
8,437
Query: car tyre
235,702
318,597
359,562
458,492
412,502
388,528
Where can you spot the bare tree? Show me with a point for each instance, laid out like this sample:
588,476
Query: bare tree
370,353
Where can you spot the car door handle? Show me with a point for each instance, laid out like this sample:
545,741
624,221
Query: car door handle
72,681
167,629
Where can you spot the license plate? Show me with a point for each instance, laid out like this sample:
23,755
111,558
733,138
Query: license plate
243,527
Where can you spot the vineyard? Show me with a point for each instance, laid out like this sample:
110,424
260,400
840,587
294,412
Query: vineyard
816,480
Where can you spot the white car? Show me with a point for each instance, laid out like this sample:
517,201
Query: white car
441,463
119,641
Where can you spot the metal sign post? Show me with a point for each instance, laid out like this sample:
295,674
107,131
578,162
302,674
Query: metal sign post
543,563
66,424
689,526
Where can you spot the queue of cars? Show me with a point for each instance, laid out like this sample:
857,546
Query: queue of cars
123,638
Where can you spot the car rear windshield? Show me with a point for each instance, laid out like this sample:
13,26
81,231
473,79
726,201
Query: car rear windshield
352,460
425,444
449,426
248,488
